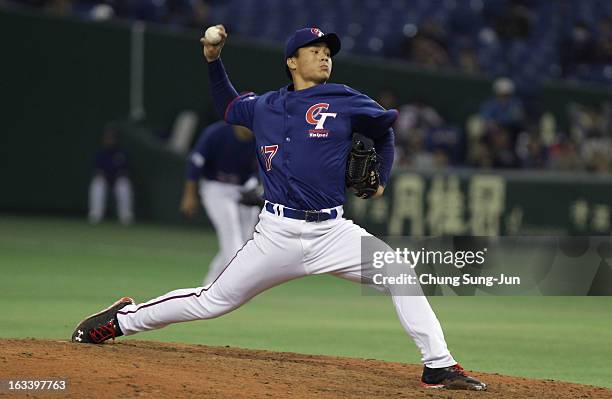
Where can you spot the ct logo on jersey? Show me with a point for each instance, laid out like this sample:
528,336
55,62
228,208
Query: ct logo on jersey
315,116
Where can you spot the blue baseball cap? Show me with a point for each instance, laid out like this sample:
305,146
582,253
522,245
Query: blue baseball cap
306,36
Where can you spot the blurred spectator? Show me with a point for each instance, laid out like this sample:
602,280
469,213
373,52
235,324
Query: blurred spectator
427,45
592,129
494,150
501,148
422,138
110,171
444,144
176,12
588,122
60,7
479,155
101,12
200,14
597,153
492,134
532,153
467,60
577,49
387,97
564,155
505,109
604,42
514,22
190,13
141,10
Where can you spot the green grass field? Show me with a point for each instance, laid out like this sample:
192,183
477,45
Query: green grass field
55,271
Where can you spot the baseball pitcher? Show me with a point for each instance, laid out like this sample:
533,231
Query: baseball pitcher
303,134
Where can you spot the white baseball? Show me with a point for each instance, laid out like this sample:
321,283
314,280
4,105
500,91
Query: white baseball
213,35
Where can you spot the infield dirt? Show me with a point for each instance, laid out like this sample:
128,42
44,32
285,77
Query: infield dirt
128,369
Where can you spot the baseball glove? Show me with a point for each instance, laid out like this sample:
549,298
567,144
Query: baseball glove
251,198
362,176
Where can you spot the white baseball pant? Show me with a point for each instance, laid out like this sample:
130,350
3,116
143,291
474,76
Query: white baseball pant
283,249
98,189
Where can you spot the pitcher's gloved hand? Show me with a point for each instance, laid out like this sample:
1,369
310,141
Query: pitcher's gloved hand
362,176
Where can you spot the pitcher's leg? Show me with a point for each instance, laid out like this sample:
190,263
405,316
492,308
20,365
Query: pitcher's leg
339,253
421,323
259,265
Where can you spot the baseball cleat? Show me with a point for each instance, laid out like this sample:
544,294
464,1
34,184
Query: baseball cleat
453,377
101,326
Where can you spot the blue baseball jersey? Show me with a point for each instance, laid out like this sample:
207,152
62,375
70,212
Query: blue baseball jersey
220,155
303,139
111,162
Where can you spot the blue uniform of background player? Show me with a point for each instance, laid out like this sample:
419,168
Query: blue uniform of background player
111,171
303,135
223,163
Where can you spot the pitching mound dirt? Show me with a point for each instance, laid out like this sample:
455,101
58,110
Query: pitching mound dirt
129,369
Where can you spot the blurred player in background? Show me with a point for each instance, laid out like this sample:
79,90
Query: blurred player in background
223,161
110,171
